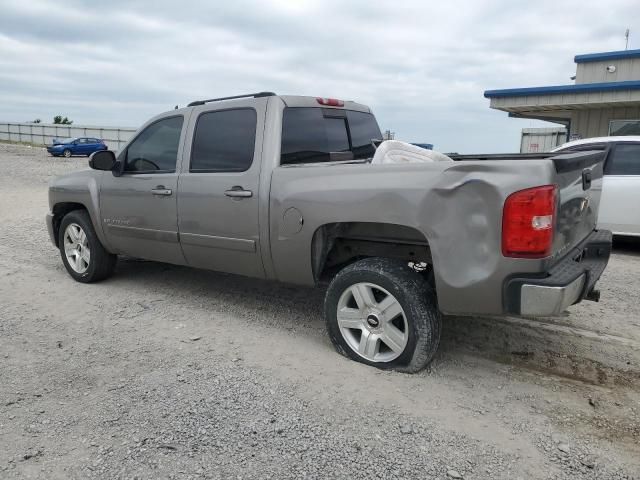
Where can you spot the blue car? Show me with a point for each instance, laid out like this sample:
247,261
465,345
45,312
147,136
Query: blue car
76,146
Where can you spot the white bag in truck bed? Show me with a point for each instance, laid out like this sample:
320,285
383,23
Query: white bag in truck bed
395,151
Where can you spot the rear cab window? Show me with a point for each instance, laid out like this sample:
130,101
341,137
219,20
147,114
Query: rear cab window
317,135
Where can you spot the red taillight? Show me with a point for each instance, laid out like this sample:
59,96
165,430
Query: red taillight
527,222
330,102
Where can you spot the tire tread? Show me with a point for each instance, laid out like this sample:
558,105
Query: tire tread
105,262
415,294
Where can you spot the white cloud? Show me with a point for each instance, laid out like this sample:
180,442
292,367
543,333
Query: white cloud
422,66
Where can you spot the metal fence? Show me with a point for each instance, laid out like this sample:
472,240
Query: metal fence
45,133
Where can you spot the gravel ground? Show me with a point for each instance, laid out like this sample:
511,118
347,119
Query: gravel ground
164,372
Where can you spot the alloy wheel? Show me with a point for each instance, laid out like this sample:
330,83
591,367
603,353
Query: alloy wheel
76,248
372,322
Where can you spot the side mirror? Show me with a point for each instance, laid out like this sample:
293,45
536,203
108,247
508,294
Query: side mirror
102,160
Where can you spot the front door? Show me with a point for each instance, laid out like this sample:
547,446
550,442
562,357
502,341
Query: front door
138,208
218,195
80,147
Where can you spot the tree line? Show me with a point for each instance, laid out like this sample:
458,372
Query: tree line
57,120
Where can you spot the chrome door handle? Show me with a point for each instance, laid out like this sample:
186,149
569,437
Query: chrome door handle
160,190
238,192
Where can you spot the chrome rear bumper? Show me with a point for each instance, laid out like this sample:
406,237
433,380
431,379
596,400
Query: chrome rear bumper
539,300
567,282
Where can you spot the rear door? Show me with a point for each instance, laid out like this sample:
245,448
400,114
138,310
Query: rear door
218,194
621,190
139,207
93,145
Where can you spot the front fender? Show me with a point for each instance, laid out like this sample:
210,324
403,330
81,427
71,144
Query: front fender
81,189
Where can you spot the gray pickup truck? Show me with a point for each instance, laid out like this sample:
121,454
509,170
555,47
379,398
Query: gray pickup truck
284,188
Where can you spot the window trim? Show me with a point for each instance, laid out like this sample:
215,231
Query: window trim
611,158
125,152
195,131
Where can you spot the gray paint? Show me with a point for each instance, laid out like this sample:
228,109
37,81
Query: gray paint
455,208
222,233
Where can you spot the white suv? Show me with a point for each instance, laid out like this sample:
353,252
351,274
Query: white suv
620,201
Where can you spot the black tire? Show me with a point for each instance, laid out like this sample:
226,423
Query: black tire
101,263
416,297
67,153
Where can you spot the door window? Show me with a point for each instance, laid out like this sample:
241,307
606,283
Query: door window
224,141
625,160
156,148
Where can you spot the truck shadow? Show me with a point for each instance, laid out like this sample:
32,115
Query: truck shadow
293,308
627,245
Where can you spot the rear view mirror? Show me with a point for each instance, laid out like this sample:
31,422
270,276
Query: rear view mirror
102,160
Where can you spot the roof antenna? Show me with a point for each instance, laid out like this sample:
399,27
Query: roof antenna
626,37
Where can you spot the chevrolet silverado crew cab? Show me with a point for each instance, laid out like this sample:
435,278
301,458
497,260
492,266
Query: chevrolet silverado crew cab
301,190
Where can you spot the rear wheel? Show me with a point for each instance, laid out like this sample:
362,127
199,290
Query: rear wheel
382,313
67,152
82,254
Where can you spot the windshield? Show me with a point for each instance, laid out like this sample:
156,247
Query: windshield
313,135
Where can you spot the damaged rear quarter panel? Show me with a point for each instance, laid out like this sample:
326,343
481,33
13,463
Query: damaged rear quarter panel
457,207
464,211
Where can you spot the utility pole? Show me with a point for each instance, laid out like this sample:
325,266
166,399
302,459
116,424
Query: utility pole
626,38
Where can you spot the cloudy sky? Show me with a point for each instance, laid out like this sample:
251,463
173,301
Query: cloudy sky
422,66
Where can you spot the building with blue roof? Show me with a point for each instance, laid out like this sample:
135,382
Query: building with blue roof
603,100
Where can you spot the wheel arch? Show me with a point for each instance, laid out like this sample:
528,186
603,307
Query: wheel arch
336,245
59,210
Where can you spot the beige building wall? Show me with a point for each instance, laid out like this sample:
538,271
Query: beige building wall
595,122
596,72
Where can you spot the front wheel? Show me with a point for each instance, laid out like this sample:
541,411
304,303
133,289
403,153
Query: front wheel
67,152
83,255
383,313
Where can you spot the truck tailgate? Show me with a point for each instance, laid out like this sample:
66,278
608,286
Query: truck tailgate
579,181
